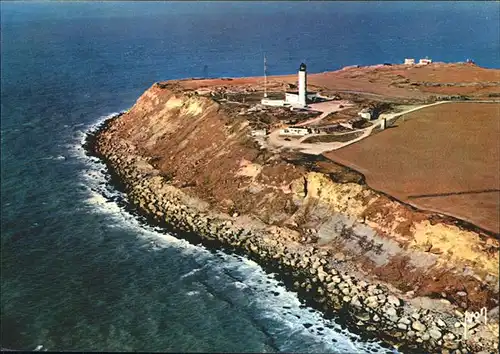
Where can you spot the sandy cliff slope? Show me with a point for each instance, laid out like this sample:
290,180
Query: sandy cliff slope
202,148
208,153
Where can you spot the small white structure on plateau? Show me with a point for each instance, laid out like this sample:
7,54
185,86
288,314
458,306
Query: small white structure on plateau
292,98
294,131
274,103
425,61
365,113
409,61
383,124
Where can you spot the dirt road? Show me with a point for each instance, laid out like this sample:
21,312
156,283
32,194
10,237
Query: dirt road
444,158
274,139
327,108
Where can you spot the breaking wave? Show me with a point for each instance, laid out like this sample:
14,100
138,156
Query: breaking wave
234,279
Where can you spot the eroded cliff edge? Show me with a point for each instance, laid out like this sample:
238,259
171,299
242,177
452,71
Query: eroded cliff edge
406,274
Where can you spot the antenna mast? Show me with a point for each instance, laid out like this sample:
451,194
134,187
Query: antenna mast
265,76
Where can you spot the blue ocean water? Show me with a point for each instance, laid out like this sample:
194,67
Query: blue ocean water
80,272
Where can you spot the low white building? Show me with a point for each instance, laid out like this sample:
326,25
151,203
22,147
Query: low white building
298,131
298,98
274,103
292,97
365,113
409,61
425,61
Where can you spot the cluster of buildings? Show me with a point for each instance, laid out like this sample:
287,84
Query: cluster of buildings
301,97
423,61
295,99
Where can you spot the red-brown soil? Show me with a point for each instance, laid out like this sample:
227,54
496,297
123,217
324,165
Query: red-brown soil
203,147
445,73
396,81
408,81
445,158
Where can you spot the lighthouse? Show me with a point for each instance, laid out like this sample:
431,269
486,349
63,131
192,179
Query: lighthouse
299,98
302,84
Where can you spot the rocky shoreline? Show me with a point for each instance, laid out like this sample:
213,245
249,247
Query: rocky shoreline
372,310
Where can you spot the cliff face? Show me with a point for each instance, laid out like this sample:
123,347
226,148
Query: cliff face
209,153
205,149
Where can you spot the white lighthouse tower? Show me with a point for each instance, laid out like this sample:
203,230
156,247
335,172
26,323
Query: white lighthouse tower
294,98
302,85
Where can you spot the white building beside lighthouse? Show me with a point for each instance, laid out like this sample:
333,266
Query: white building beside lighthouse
300,97
295,99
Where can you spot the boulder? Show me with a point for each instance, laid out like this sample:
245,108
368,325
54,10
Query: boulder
418,326
340,257
435,333
390,312
321,276
362,316
440,323
405,320
355,301
394,301
402,326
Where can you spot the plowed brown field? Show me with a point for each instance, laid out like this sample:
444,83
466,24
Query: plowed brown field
444,158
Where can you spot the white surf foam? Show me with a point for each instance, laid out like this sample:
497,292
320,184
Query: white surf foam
277,304
192,293
191,273
251,278
57,158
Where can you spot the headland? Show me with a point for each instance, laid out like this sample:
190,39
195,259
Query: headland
366,198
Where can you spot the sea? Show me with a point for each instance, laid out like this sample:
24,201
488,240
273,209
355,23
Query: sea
79,270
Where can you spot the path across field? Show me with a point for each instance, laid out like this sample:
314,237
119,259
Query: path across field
276,141
445,158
